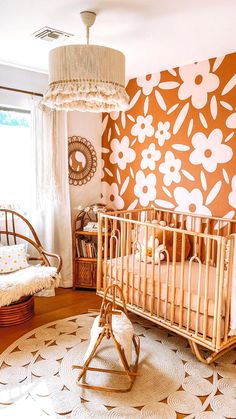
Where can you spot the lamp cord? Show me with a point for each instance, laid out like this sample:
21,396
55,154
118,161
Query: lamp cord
87,35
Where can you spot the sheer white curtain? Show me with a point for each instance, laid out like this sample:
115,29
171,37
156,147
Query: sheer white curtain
50,207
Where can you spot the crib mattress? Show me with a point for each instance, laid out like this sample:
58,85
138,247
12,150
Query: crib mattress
127,272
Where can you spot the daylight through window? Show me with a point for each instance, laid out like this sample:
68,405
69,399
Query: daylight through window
14,158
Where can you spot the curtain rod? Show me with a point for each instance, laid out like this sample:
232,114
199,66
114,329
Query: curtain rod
21,91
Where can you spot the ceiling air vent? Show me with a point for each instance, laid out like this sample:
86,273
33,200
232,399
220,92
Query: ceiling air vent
49,34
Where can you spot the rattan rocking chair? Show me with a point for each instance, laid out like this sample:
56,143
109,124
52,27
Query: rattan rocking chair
11,226
107,311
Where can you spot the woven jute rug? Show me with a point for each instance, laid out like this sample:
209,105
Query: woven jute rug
37,379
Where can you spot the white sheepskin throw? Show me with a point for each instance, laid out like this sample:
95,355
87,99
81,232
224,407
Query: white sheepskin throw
26,281
123,331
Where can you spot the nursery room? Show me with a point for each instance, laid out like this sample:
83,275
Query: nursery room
118,209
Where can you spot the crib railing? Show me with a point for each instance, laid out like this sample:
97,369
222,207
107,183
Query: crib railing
190,296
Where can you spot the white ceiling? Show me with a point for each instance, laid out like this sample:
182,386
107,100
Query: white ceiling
153,34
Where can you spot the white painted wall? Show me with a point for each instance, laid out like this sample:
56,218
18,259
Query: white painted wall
88,125
18,78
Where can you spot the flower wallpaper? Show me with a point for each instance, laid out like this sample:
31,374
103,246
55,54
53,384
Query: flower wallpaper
176,144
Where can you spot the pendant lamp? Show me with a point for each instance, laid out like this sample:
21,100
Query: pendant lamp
86,77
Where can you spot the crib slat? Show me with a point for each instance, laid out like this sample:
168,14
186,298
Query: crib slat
116,240
189,292
206,289
216,293
200,239
198,294
158,288
105,254
139,271
173,278
99,265
182,221
110,261
182,281
229,228
167,218
167,282
153,271
122,252
175,220
229,273
128,251
145,269
136,248
208,226
214,246
220,297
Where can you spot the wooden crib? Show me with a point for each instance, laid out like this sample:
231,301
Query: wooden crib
188,295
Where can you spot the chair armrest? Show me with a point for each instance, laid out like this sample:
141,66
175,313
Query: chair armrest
54,255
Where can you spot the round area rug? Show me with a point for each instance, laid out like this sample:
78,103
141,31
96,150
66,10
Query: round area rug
37,378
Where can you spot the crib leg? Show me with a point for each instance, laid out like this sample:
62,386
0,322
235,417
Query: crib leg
211,358
191,346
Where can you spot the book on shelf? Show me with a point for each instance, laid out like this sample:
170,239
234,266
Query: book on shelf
86,248
77,249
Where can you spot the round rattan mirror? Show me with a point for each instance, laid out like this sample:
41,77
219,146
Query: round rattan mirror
82,160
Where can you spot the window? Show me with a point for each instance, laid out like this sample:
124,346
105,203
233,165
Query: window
15,158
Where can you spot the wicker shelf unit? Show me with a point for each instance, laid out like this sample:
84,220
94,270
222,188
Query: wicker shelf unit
85,268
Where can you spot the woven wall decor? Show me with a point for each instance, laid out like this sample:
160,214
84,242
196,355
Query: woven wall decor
82,160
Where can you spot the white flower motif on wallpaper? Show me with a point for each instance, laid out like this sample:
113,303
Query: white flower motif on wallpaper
111,197
170,168
121,154
149,157
198,81
114,115
143,127
190,201
147,83
232,195
162,133
102,168
181,126
209,151
231,120
145,188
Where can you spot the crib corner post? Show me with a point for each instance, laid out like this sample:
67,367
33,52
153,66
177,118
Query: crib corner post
99,256
221,290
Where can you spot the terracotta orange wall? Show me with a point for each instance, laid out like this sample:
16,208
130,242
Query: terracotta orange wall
176,145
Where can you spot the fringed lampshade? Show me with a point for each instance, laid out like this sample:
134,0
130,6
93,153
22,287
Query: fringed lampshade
86,78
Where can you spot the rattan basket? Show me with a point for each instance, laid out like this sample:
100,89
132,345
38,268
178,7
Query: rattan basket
17,313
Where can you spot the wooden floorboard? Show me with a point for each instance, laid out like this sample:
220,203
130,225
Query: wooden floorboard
66,303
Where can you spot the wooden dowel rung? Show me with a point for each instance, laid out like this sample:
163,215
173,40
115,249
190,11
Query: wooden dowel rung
118,372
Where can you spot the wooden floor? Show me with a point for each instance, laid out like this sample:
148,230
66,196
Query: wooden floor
66,303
